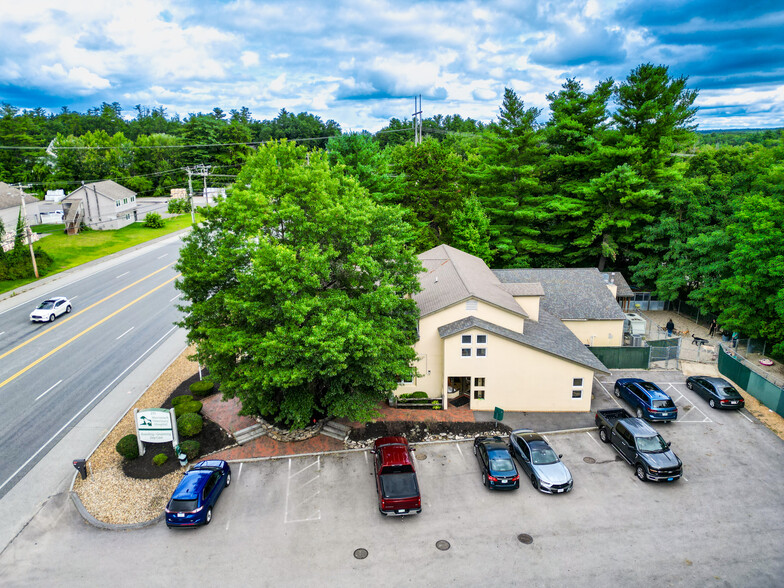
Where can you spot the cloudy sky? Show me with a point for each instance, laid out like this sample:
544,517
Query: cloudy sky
361,62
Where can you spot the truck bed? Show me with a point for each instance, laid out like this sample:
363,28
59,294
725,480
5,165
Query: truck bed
610,416
399,486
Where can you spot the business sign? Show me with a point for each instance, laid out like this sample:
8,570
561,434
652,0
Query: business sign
498,414
154,425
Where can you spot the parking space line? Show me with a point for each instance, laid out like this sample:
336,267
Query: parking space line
460,451
239,472
305,468
608,392
592,439
298,502
681,396
745,417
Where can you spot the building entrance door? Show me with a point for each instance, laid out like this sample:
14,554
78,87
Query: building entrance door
458,390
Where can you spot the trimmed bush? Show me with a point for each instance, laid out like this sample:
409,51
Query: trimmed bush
128,447
202,388
183,407
182,398
189,424
160,459
419,394
153,220
190,448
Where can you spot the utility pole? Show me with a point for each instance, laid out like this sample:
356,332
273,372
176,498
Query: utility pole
417,120
190,193
204,170
28,231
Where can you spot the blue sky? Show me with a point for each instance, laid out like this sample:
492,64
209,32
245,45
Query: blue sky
361,62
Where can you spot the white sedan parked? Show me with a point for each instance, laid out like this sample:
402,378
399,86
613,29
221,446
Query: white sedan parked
48,310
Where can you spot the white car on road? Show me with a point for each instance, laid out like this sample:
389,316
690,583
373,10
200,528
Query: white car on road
49,309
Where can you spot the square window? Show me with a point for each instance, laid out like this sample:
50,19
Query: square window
481,352
407,378
466,352
479,394
577,382
577,393
466,339
479,382
481,339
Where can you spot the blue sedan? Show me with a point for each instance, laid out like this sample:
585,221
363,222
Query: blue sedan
196,494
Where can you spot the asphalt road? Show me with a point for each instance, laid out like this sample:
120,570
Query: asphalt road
298,521
53,374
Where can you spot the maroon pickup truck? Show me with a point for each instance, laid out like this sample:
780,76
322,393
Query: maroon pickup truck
396,481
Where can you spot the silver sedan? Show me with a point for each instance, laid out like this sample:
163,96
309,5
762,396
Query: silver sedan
539,462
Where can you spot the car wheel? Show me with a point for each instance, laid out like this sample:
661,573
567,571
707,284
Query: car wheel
534,482
639,413
641,473
51,317
690,386
617,391
67,309
603,435
712,403
208,516
228,479
484,480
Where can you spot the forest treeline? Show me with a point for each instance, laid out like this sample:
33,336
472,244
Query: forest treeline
617,178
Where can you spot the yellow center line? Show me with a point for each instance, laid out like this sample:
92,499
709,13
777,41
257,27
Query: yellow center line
73,316
87,330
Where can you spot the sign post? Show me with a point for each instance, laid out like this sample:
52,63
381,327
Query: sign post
498,415
155,425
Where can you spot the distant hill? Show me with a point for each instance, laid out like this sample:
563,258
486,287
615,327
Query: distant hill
720,137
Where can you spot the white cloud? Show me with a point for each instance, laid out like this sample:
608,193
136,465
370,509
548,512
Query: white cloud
76,79
249,58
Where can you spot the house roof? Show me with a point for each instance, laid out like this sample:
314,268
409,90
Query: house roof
577,294
624,291
548,334
534,289
106,188
9,196
452,276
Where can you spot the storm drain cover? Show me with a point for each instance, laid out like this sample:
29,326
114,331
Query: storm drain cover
589,460
443,544
360,553
525,538
421,455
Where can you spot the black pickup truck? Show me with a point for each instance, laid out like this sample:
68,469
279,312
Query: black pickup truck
640,445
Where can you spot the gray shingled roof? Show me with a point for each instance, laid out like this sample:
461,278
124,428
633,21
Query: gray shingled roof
548,334
452,276
579,293
624,291
524,289
9,196
106,188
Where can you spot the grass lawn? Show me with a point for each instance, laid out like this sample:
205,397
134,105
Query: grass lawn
71,250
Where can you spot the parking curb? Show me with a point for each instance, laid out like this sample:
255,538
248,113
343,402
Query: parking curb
108,526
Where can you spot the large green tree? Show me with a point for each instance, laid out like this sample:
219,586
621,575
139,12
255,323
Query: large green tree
298,288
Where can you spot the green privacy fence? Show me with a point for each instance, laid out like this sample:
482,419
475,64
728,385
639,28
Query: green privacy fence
766,392
623,358
674,342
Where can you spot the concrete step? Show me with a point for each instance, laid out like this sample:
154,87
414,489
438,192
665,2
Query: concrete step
249,434
335,430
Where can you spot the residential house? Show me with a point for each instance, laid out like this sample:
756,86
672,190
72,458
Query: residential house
514,339
104,205
10,205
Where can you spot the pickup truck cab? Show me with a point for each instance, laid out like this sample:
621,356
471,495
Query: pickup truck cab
396,480
640,445
647,400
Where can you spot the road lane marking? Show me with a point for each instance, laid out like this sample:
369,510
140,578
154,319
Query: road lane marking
96,397
121,275
125,333
74,315
50,389
84,332
162,256
175,298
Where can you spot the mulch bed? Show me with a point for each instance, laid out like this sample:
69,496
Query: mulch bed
212,438
416,431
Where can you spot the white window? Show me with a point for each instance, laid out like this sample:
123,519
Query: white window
481,339
133,198
481,351
125,201
117,203
577,388
407,378
466,339
479,382
466,352
479,394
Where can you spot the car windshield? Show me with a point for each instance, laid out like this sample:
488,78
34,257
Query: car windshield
730,391
501,464
543,456
651,444
182,505
46,304
663,403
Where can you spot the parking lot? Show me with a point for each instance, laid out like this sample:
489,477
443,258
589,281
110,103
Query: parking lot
300,520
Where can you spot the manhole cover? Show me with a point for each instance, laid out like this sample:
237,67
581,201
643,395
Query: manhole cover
420,455
442,544
360,553
589,460
525,538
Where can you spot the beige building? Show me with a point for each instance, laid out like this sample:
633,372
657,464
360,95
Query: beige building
102,206
515,339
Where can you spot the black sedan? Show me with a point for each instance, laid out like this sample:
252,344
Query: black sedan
498,468
717,391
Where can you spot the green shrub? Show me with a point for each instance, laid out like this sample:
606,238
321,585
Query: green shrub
182,408
182,398
419,394
190,448
128,447
154,221
189,424
178,206
160,459
202,388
